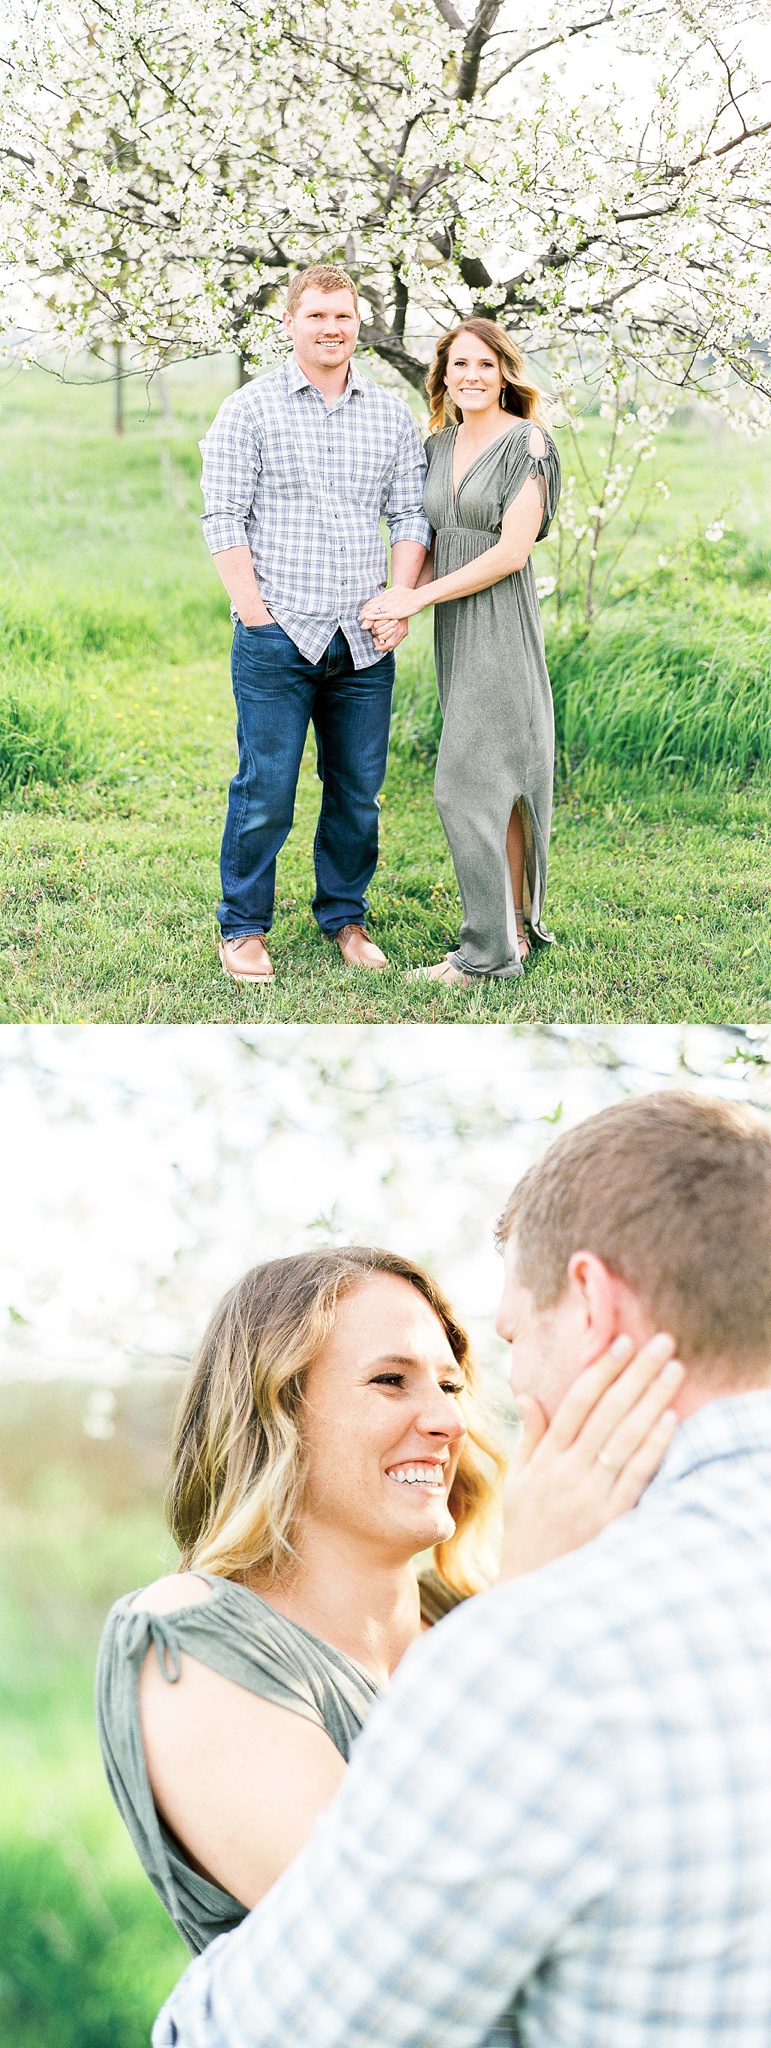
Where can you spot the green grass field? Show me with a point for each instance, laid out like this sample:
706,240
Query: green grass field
88,1953
115,636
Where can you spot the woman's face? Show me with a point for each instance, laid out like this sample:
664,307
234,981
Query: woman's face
473,375
383,1428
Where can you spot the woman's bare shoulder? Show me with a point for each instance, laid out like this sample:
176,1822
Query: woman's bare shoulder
177,1589
536,441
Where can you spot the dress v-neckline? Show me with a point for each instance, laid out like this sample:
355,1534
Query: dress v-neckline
507,432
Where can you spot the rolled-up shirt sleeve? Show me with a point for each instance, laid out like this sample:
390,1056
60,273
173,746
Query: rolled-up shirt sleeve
231,465
404,504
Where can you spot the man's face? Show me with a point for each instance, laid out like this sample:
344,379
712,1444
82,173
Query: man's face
548,1346
324,328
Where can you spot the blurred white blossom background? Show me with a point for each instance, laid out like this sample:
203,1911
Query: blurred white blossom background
145,1168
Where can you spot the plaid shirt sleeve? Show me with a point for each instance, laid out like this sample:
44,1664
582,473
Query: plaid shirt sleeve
404,504
231,466
456,1852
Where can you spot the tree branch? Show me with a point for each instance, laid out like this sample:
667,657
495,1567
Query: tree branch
450,15
474,273
19,158
748,136
473,49
401,150
535,49
401,302
391,349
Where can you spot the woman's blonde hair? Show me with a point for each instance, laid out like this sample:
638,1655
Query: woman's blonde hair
238,1460
518,394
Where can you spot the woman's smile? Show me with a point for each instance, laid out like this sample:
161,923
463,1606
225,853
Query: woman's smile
426,1474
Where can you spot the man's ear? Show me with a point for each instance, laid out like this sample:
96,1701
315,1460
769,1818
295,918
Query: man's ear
287,322
597,1294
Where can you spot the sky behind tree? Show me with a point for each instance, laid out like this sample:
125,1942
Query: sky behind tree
153,1165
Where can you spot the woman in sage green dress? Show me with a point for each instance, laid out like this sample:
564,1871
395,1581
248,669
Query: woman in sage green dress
328,1435
491,492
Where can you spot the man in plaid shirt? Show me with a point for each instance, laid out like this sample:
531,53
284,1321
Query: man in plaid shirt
298,469
556,1830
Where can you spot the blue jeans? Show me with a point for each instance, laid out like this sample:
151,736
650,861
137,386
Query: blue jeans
277,694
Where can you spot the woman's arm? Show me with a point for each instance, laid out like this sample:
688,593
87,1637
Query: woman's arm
593,1461
427,571
520,527
239,1782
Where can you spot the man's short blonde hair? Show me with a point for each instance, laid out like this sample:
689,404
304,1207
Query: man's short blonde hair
673,1192
322,277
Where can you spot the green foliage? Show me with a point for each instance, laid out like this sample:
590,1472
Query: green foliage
78,1966
70,632
43,737
416,727
674,677
685,692
87,1953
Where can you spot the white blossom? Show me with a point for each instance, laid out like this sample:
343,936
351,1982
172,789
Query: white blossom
168,163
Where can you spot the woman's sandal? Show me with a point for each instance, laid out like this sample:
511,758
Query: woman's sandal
523,943
444,971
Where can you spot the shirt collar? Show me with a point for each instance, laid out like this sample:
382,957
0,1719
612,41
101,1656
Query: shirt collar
296,378
721,1429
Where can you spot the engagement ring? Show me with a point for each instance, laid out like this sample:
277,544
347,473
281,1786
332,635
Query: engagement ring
602,1459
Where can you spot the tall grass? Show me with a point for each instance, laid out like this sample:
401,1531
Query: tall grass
50,650
690,694
682,685
416,726
68,631
44,737
82,1966
87,1954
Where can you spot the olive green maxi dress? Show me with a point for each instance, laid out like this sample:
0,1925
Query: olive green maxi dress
497,745
239,1635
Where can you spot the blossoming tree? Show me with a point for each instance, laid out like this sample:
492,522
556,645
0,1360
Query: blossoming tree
595,173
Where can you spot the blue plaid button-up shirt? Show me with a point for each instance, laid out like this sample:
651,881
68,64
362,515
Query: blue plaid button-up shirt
305,487
561,1813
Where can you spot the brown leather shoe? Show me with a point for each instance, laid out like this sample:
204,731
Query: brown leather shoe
246,959
358,950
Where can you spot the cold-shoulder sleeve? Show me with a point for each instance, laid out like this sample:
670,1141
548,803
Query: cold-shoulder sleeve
237,1634
200,1910
521,461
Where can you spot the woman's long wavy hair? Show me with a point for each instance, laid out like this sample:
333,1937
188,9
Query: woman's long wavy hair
238,1459
518,393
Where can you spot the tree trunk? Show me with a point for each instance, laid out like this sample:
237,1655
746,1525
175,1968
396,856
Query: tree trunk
167,409
119,421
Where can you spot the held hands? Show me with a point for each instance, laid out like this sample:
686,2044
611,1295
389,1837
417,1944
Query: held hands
396,603
389,634
593,1461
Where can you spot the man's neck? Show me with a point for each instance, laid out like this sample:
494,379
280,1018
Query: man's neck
330,382
368,1608
693,1396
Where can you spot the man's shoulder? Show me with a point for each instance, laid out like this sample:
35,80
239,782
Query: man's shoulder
599,1604
389,403
248,403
